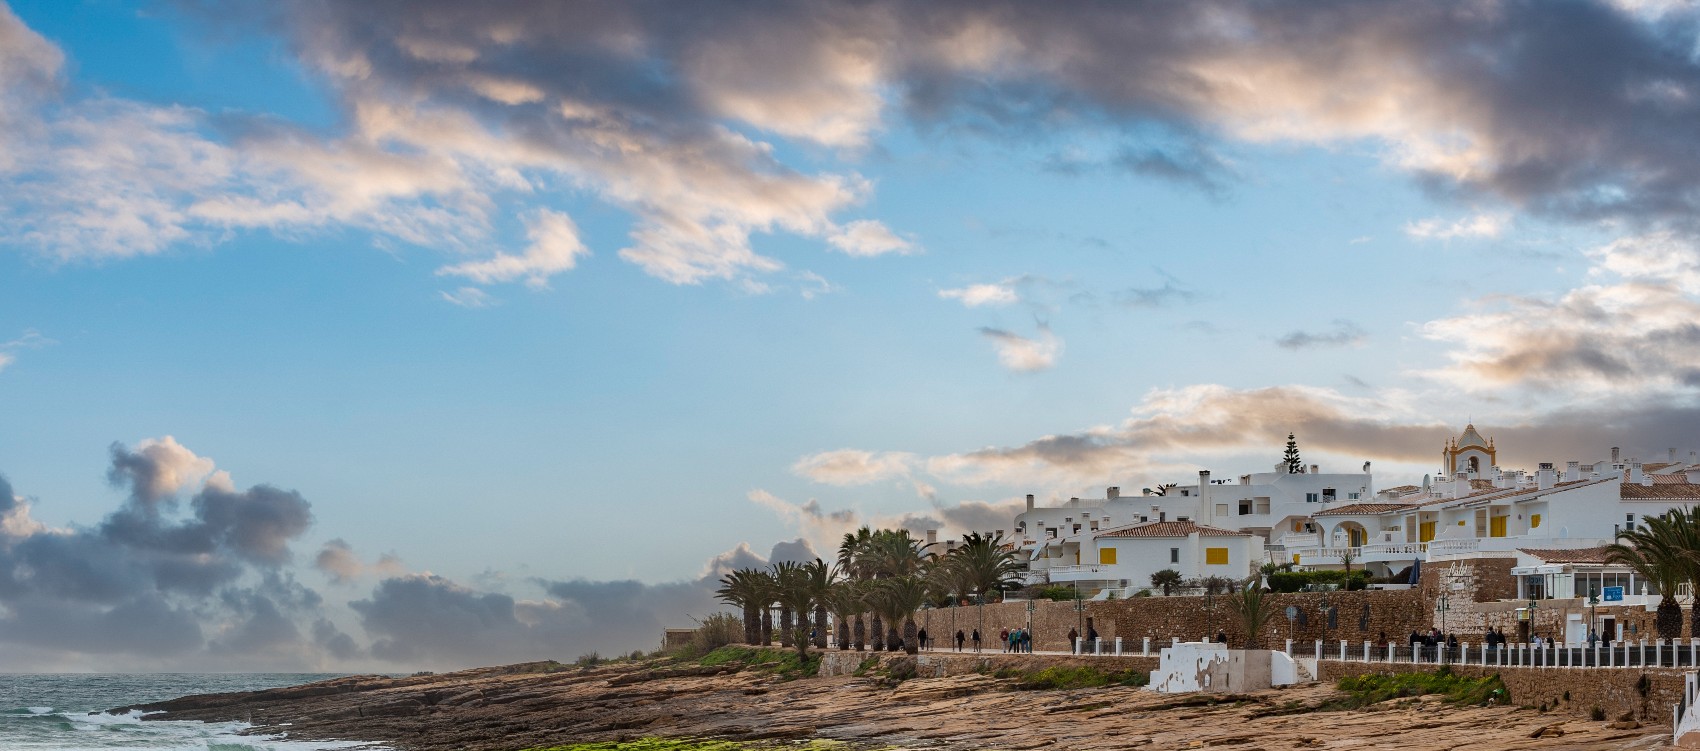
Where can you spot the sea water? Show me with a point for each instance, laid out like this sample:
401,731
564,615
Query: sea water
66,712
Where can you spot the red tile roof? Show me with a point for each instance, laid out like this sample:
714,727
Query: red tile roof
1578,555
1631,491
1170,529
1366,508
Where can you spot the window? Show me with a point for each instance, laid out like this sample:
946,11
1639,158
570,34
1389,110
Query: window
1107,556
1216,556
1077,529
1174,555
1353,496
1628,521
1312,497
1245,507
1221,509
1327,494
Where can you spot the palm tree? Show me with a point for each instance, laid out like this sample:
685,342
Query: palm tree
789,576
1346,560
899,598
984,565
1252,609
855,566
742,590
844,599
1166,580
819,583
764,591
1654,551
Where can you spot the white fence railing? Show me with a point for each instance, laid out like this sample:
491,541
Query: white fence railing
1686,718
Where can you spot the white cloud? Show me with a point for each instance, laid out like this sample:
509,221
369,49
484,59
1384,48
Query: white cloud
976,295
468,297
853,467
865,238
555,247
1478,225
1662,256
1023,354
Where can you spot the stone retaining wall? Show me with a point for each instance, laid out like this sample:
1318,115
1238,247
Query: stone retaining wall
1647,694
941,664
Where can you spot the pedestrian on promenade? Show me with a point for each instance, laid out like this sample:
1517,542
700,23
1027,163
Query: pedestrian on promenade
921,636
1092,638
1026,641
1221,636
1003,636
959,638
976,640
1074,644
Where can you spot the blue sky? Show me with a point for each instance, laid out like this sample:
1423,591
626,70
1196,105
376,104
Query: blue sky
511,299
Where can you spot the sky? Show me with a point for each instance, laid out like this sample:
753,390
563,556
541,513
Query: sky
423,335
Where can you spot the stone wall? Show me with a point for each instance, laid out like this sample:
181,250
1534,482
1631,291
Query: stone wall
1359,616
1614,691
941,664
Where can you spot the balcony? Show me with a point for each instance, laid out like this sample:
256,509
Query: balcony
1081,572
1383,552
1454,547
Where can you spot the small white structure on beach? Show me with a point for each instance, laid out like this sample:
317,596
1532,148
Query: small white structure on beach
1208,666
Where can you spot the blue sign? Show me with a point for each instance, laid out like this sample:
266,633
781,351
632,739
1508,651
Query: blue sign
1611,594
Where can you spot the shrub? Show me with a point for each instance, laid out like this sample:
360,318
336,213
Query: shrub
1057,593
716,631
588,660
1597,714
1363,690
1072,677
1295,581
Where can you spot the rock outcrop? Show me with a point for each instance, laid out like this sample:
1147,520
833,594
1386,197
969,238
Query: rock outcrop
542,704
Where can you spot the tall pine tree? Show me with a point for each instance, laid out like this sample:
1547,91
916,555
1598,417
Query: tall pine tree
1295,465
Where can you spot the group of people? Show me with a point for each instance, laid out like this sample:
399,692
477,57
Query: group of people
1091,644
1018,640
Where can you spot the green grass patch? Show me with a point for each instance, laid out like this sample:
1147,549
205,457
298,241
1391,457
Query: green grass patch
781,662
1364,690
1060,677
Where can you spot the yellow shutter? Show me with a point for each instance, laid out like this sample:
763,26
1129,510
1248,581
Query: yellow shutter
1107,556
1534,521
1425,532
1496,527
1216,556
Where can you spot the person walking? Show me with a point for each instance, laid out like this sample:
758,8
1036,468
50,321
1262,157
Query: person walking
1027,641
1074,644
1003,637
921,636
1092,639
976,640
959,638
1221,636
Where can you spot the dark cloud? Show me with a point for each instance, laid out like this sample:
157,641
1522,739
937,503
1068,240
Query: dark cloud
426,620
154,575
1344,334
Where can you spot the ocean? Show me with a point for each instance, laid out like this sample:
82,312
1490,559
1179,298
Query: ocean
64,712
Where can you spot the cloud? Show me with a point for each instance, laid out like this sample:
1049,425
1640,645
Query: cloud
1479,225
1344,334
187,563
977,295
338,560
468,297
1023,354
1154,297
555,247
865,238
30,339
1662,257
853,467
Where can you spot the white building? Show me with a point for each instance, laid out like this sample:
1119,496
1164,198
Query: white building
1313,519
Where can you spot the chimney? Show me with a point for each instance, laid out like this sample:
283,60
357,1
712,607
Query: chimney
1315,470
1498,478
1614,455
1203,477
1673,455
1546,477
1635,473
1572,471
1112,493
1029,501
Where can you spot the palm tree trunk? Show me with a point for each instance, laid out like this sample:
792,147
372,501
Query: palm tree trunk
784,625
893,640
820,627
766,626
861,633
843,634
752,623
1668,619
878,634
911,636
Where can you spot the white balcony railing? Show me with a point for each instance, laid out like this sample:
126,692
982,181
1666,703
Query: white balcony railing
1454,547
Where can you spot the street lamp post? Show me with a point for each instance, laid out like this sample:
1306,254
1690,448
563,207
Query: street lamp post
1441,606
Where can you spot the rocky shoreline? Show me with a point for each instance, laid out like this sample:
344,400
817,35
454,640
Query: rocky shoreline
537,705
